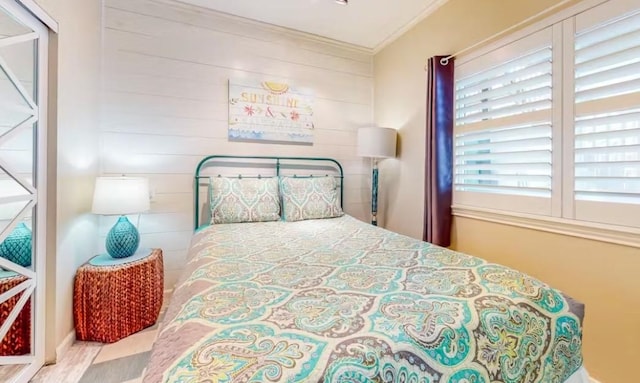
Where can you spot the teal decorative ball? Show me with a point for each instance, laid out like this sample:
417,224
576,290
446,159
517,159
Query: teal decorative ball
17,246
123,239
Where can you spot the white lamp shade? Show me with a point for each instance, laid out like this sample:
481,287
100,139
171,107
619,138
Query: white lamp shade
120,195
377,142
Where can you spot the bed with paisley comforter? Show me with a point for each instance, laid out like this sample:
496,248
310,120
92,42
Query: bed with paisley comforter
339,300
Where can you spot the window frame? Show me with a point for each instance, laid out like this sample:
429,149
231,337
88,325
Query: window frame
564,206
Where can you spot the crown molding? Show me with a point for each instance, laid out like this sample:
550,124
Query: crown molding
543,21
293,33
432,7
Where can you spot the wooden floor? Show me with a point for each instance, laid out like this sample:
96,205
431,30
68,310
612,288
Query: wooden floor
89,362
72,366
7,372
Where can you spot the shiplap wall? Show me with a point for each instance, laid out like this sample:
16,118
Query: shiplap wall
167,67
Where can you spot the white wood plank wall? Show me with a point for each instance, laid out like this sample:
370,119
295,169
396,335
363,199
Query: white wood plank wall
166,67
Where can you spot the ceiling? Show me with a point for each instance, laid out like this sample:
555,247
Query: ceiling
367,23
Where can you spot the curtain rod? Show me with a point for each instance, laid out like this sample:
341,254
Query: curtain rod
445,60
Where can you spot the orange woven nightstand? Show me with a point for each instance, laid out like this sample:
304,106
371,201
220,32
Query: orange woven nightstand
113,300
18,339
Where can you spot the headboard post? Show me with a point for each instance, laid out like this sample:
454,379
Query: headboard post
278,165
196,200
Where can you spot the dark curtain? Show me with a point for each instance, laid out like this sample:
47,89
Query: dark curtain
439,152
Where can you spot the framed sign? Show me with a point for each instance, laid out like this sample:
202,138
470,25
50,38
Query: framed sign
269,112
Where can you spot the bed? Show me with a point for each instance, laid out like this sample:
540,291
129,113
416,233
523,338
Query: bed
339,300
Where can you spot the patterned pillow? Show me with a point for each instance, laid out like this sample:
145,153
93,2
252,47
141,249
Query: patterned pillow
244,200
309,198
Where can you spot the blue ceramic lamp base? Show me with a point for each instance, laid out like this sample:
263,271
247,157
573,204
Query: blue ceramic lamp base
123,239
17,246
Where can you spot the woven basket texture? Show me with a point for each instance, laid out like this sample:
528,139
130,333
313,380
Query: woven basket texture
18,339
113,302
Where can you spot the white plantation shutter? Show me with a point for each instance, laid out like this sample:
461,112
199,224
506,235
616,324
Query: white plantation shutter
607,120
503,135
547,126
513,160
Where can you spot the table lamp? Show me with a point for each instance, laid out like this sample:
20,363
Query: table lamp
120,196
376,143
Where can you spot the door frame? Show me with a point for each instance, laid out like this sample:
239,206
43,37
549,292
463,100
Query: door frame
30,14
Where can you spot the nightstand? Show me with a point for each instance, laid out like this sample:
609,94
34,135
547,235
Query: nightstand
114,298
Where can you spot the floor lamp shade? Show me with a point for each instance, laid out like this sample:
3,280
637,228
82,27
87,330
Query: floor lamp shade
120,196
376,143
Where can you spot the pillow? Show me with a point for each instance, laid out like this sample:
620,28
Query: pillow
244,200
309,198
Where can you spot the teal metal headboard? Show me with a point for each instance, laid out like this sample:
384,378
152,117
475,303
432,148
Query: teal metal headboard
277,163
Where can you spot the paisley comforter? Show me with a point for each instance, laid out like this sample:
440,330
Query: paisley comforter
338,300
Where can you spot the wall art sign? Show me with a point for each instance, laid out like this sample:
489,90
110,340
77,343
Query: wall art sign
269,112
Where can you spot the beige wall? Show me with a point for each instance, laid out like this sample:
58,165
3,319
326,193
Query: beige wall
599,274
79,45
602,275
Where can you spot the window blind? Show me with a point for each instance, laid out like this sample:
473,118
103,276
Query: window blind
607,120
503,140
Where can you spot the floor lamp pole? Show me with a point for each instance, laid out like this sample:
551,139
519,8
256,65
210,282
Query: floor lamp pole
374,193
376,143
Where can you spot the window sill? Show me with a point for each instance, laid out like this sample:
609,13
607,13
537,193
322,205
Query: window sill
620,235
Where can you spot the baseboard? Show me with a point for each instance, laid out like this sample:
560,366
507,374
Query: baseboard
167,293
65,345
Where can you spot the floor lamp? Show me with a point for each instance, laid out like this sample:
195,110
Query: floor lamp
376,143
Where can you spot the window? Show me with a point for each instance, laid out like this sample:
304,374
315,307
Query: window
503,139
548,125
607,118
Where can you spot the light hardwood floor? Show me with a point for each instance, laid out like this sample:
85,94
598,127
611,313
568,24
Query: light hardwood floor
120,362
72,366
7,372
89,362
